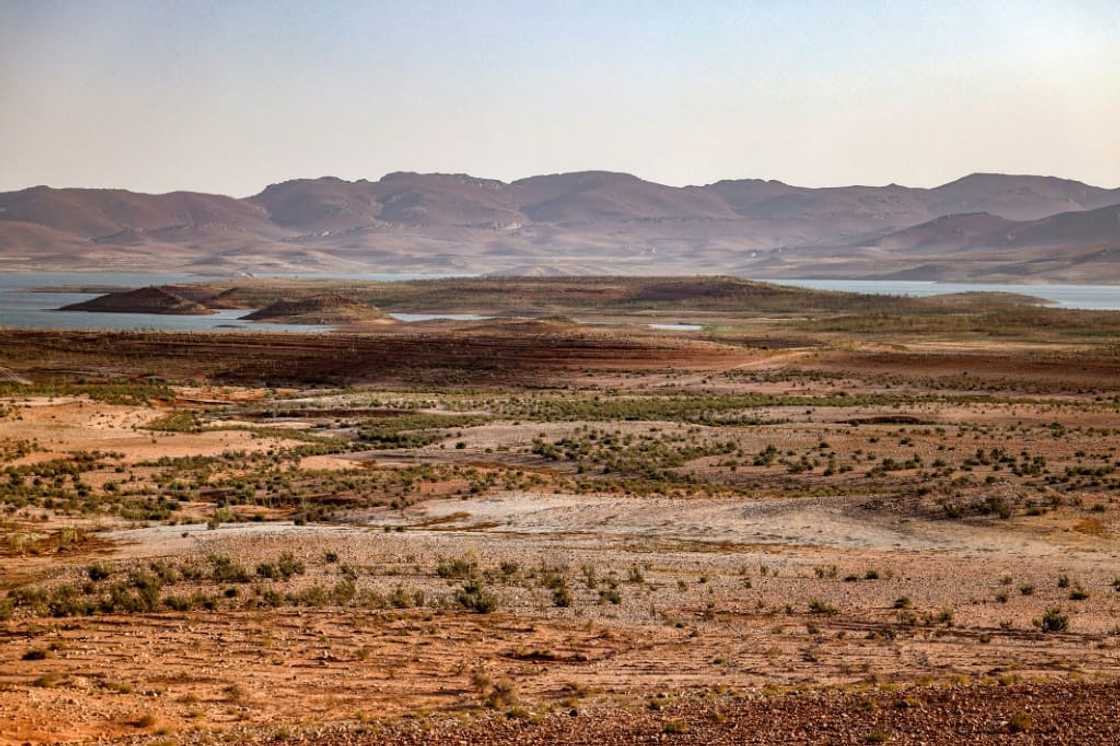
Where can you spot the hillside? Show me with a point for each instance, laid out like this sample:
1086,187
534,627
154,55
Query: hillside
142,300
330,308
1081,246
984,230
559,224
551,301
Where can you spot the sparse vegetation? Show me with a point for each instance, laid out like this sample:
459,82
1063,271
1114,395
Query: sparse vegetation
1053,621
468,515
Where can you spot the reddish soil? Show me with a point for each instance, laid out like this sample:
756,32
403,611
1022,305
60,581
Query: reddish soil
367,358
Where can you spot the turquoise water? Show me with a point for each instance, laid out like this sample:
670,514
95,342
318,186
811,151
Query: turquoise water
1089,297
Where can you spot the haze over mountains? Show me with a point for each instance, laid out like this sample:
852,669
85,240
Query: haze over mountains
982,227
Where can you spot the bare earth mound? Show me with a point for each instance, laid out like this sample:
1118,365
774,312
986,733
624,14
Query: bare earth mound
142,300
319,309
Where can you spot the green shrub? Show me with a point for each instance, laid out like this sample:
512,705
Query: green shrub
224,569
474,596
1020,722
98,571
610,595
562,596
1053,621
817,606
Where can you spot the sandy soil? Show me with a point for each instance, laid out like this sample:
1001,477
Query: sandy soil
782,605
65,424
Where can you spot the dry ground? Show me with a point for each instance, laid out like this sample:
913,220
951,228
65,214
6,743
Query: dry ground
665,541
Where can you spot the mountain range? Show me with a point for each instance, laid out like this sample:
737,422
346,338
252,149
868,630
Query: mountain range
991,227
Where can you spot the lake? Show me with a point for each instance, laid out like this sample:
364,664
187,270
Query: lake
676,327
1089,297
20,307
410,317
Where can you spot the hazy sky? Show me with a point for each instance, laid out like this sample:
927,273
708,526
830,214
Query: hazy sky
229,96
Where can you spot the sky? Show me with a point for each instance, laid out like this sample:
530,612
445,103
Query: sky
231,95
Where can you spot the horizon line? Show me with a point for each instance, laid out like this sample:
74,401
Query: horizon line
565,173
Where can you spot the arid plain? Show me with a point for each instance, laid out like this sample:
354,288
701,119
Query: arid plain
792,516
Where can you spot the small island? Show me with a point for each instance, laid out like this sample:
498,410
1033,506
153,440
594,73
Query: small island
142,300
330,308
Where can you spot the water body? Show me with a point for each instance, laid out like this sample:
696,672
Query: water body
28,310
439,317
677,327
1088,297
22,307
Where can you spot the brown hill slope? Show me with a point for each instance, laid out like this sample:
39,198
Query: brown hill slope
1081,246
1019,197
102,213
141,300
330,308
459,223
1100,227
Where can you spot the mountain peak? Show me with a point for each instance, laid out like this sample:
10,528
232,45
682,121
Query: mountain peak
455,222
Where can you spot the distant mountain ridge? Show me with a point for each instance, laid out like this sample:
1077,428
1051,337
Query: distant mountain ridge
984,230
593,219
